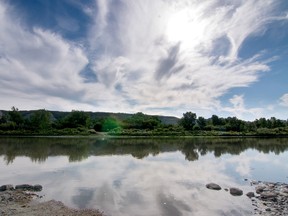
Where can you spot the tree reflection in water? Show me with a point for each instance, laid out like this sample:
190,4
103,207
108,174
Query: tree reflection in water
79,148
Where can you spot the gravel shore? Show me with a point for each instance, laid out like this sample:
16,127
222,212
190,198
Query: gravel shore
18,202
271,198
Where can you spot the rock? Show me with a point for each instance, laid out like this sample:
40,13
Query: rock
259,189
250,194
213,186
37,187
236,192
28,187
6,187
25,187
268,195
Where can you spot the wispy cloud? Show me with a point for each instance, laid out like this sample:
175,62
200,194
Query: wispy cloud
146,56
240,110
284,100
170,49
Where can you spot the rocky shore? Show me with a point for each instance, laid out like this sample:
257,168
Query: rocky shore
268,199
271,198
23,200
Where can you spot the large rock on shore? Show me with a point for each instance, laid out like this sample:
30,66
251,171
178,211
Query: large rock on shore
213,186
28,187
6,187
24,187
236,192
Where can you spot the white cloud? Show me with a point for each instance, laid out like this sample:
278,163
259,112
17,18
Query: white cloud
240,110
149,56
284,100
166,68
37,64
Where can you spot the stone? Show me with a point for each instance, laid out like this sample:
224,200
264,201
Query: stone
37,187
25,187
250,194
259,189
213,186
268,209
268,195
6,187
236,192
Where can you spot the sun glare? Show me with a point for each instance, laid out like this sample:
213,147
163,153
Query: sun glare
185,27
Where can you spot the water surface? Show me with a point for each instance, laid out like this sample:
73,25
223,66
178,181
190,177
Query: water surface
145,176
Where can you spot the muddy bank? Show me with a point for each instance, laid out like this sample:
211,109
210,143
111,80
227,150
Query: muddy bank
19,202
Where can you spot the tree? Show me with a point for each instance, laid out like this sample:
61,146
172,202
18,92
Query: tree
76,119
216,121
40,119
188,120
16,117
142,121
3,118
110,124
261,123
234,124
201,121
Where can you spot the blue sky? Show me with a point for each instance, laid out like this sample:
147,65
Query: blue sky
165,57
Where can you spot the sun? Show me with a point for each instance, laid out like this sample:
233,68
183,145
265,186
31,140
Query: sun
185,26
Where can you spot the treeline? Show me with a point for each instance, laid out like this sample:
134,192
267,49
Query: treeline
233,125
43,122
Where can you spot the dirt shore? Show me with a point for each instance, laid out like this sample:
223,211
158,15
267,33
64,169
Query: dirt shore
17,202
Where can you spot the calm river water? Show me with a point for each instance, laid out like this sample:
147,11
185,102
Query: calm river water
145,176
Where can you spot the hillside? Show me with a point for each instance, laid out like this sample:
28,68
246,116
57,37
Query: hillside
56,115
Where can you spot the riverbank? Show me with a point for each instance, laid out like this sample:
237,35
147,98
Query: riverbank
271,198
18,202
268,199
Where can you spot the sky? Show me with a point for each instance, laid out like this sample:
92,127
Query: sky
162,57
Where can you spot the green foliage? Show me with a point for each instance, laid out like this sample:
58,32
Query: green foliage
40,120
142,121
110,124
188,120
75,119
15,116
201,122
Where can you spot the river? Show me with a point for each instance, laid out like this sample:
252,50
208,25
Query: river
145,176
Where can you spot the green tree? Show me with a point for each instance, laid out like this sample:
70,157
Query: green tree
15,116
201,121
234,124
41,120
142,121
188,120
110,123
76,119
216,121
3,118
261,123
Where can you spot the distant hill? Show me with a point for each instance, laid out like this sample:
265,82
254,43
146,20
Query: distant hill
97,115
